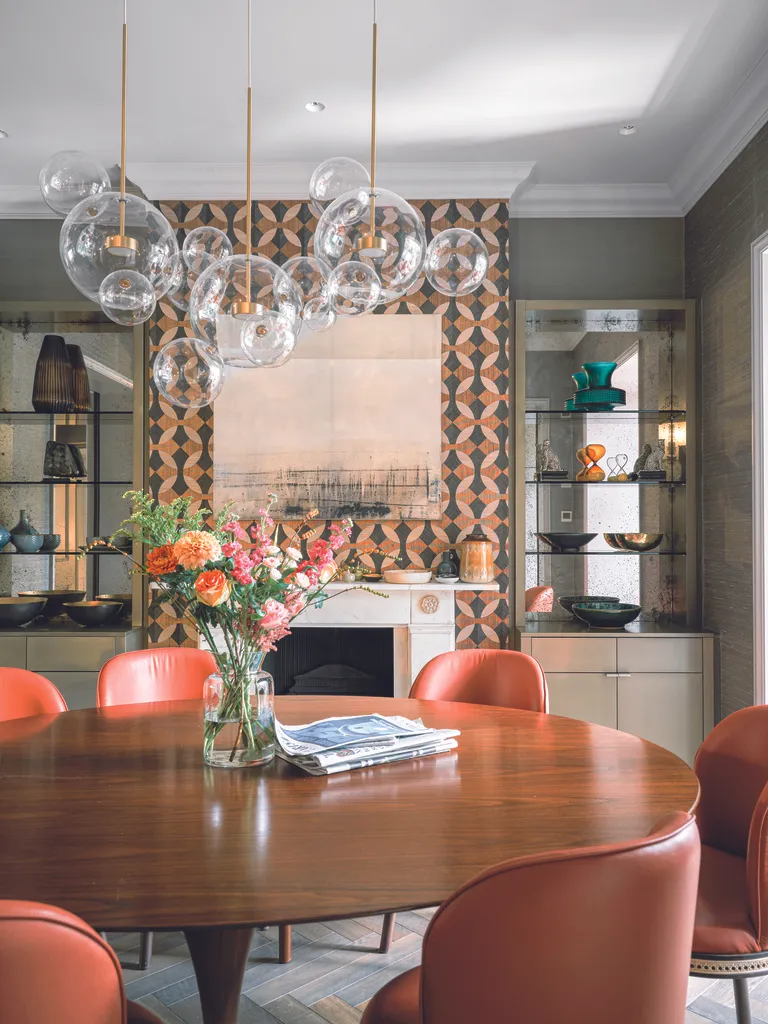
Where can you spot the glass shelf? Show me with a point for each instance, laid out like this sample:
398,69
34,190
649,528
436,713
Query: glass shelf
605,483
613,554
667,414
44,417
58,551
58,483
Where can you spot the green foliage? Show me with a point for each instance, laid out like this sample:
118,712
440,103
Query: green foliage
155,524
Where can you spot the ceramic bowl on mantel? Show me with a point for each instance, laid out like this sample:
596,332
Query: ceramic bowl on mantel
409,577
606,615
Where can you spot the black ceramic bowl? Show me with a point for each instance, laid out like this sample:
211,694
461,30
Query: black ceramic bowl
566,541
51,541
92,613
125,600
18,611
568,602
54,599
605,615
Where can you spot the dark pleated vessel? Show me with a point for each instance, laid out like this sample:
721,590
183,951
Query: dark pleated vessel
53,389
80,382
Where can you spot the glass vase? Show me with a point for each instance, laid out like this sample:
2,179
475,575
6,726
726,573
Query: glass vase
239,717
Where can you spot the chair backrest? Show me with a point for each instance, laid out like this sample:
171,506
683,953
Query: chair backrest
54,968
507,679
162,673
601,934
24,693
732,766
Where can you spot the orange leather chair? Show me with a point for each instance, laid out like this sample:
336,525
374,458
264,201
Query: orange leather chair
599,935
730,939
54,969
506,679
163,673
24,693
143,677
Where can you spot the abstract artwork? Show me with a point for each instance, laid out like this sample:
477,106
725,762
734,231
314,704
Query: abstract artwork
351,425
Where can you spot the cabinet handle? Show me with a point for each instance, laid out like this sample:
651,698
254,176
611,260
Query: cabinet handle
618,675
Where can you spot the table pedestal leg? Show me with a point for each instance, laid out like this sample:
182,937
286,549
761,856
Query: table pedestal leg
219,956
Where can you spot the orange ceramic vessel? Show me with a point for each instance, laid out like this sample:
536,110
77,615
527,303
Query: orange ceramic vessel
589,457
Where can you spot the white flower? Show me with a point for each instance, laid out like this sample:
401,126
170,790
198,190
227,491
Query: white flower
276,574
301,580
294,554
273,550
271,562
327,573
288,564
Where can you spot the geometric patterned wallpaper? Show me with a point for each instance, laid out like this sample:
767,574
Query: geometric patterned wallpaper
475,413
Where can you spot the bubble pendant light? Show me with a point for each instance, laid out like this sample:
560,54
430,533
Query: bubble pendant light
244,290
378,228
116,248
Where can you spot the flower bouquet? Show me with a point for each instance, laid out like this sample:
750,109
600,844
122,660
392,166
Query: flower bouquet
241,591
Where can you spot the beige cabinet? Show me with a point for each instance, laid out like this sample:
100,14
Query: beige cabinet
658,687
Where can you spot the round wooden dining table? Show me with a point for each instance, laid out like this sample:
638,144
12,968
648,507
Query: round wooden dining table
112,814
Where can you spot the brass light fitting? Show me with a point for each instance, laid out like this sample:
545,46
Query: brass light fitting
372,245
122,244
243,309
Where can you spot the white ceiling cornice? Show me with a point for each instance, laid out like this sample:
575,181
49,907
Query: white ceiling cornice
19,202
595,201
723,140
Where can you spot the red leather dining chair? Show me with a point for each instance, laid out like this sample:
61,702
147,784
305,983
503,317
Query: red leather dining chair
598,934
730,939
506,679
55,969
160,674
143,677
24,693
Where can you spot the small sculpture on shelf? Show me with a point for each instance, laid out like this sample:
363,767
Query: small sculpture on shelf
63,461
589,457
640,462
656,464
448,569
618,474
547,463
25,537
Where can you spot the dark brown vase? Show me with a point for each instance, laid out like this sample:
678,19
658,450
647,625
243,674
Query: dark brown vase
53,390
80,380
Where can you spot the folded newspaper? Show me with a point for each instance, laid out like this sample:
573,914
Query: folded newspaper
333,745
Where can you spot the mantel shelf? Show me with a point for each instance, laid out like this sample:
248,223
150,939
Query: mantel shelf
68,483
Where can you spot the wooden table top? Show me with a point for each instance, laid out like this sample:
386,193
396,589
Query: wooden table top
112,814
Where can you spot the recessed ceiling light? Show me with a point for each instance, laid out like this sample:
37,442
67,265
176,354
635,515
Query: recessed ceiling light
627,129
315,107
3,135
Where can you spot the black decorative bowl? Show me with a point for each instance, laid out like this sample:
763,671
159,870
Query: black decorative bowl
566,541
568,602
50,541
18,611
605,615
92,613
125,600
54,599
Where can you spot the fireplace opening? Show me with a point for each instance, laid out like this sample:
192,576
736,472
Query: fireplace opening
334,660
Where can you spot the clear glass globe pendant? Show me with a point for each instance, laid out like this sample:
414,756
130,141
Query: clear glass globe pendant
116,248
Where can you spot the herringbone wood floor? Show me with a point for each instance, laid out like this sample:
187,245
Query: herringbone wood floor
335,970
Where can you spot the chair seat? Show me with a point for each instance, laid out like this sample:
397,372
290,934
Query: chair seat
138,1014
723,924
397,1002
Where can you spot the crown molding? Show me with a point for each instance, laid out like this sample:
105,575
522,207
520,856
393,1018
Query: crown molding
724,139
20,202
291,180
595,201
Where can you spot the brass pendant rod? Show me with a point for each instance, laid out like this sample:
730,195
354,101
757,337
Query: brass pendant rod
374,72
124,105
248,217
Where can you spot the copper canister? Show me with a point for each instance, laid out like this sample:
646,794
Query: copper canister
477,558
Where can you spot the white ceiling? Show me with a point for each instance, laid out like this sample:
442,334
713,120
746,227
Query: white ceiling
473,98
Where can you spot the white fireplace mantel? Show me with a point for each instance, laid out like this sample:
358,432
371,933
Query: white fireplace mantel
422,618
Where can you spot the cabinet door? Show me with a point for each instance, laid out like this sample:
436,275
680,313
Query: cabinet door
77,688
575,653
659,654
588,696
13,651
667,709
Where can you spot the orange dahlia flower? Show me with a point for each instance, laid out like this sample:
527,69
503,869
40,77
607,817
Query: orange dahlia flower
212,587
161,560
195,548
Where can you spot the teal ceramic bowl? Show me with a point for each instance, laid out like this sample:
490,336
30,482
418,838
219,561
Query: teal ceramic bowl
568,602
580,379
605,615
599,374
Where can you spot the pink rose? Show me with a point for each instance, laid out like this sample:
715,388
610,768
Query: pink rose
275,615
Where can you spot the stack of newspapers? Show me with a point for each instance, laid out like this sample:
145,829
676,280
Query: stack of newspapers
340,744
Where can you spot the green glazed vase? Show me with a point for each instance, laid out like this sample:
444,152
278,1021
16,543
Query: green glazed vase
599,374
